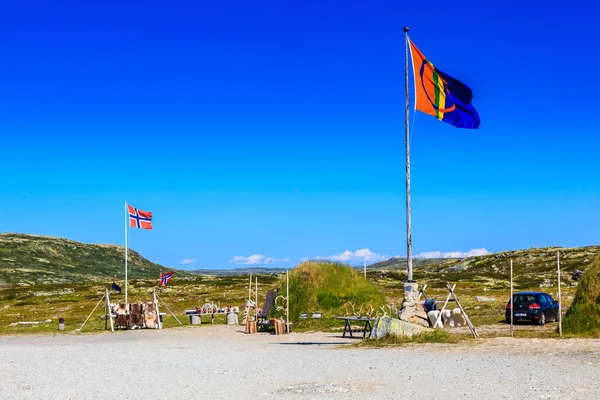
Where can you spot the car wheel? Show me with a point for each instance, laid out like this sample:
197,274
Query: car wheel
542,320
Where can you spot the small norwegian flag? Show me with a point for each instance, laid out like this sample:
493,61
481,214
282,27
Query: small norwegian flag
165,278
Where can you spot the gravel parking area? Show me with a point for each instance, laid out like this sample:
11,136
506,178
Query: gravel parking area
221,362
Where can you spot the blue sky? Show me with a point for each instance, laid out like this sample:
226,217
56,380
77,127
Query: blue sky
268,132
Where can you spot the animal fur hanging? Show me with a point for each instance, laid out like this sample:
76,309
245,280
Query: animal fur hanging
150,317
121,311
136,317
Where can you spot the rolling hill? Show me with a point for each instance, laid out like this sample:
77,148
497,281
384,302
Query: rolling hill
30,259
531,267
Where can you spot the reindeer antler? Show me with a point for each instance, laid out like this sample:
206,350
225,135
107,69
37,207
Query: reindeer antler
277,306
353,308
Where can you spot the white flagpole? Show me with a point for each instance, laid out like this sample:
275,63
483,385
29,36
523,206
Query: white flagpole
287,301
126,252
512,310
559,297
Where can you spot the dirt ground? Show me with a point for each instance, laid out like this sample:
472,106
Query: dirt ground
220,361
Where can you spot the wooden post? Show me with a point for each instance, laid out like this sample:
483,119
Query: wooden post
86,320
174,316
256,293
512,311
155,302
559,297
443,308
108,313
462,310
409,266
250,289
287,299
365,268
422,292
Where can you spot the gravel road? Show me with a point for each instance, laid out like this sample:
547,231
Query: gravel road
221,362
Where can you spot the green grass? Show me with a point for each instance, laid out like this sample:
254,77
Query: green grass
436,336
331,289
583,317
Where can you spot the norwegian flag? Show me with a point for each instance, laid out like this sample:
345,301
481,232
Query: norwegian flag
139,218
165,278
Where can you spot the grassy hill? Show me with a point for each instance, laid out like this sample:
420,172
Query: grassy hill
531,267
29,260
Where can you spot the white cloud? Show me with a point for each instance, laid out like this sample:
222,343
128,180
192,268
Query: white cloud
188,261
259,259
350,257
453,254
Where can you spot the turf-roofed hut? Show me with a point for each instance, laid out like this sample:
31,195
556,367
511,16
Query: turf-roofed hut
329,288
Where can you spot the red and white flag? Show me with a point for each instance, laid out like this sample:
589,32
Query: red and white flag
165,278
139,218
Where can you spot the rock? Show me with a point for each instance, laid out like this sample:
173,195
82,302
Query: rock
484,299
391,326
56,292
232,319
459,267
576,275
546,283
573,284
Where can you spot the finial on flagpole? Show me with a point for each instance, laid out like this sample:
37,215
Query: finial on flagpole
406,29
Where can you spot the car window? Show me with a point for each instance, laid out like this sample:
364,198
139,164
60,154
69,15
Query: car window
544,300
524,298
549,299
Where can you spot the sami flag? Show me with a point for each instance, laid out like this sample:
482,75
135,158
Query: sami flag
116,287
440,95
165,278
139,218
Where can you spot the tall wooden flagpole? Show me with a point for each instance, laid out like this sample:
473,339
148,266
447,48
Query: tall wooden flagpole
512,310
559,295
409,269
287,301
126,252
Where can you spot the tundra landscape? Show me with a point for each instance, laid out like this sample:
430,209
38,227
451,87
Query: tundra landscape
40,361
299,200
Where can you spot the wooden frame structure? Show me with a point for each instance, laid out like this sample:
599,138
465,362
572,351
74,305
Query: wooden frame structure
452,295
109,317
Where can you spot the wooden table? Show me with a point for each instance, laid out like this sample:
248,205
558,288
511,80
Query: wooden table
348,328
190,314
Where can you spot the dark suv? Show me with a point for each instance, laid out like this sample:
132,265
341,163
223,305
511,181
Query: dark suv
532,307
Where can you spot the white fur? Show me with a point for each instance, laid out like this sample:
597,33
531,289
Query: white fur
433,315
459,319
447,318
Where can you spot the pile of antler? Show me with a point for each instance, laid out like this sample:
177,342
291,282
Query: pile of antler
369,314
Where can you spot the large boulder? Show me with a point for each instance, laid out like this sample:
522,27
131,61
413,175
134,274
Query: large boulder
391,326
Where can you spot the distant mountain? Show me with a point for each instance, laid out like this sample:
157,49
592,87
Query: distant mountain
400,262
30,259
531,266
238,271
